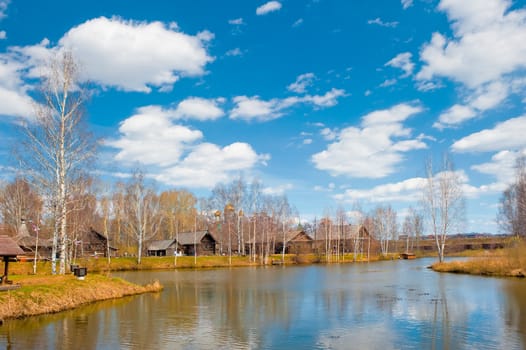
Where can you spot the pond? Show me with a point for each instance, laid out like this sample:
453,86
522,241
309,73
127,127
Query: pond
384,305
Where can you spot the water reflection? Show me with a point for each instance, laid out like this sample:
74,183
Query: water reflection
390,305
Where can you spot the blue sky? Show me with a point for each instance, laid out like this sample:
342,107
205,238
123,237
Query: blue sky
331,102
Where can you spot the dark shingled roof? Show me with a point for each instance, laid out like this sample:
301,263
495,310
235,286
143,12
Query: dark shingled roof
8,247
187,238
161,245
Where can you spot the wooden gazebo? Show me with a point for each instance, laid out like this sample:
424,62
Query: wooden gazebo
8,250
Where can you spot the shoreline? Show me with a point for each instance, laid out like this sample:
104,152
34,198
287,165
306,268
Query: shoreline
40,295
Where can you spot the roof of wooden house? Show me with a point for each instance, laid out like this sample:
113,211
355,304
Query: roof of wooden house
8,247
290,236
26,240
186,238
161,245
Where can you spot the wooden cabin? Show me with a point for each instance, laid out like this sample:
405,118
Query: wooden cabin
186,243
30,243
165,247
203,241
296,242
93,243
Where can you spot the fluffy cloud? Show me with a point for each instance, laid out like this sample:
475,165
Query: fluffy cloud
147,132
184,161
481,99
403,62
373,150
502,167
128,55
455,115
409,190
14,100
302,82
3,35
253,108
194,108
209,164
134,56
480,28
199,109
268,7
504,136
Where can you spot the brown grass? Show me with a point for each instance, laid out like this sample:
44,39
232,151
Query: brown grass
49,294
509,262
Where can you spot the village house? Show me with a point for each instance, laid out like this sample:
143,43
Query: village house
93,243
187,243
32,244
296,242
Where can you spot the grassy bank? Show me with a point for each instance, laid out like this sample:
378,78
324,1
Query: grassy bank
509,262
49,294
184,262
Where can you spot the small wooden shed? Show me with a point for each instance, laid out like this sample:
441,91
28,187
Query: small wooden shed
8,250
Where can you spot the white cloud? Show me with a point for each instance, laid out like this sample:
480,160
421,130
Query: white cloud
3,35
234,52
409,190
195,108
14,100
407,4
209,164
504,136
489,96
128,55
388,82
236,21
455,115
184,161
147,132
249,108
375,149
502,167
199,108
488,43
380,22
402,61
485,97
253,108
329,134
302,82
268,7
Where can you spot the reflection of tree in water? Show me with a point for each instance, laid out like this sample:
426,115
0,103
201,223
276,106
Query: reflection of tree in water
515,311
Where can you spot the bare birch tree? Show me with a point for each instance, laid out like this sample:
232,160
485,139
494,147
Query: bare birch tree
443,202
56,146
143,216
19,200
512,206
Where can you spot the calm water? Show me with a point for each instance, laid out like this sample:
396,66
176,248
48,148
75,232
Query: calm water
388,305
